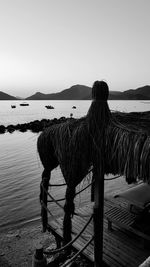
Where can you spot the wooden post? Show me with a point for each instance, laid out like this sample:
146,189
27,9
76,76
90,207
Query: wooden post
100,93
98,212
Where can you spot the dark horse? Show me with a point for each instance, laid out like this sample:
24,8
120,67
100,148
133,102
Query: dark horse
74,145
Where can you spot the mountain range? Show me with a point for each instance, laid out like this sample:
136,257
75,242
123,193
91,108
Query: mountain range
82,92
4,96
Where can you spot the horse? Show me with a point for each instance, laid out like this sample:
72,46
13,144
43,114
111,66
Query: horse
74,145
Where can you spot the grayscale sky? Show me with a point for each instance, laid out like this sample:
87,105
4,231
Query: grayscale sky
50,45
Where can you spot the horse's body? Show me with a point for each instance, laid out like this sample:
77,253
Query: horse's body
59,145
75,145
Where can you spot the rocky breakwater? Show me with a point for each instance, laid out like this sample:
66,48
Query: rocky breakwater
34,126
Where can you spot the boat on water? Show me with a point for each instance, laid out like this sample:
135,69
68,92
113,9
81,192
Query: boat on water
49,107
24,104
13,106
74,107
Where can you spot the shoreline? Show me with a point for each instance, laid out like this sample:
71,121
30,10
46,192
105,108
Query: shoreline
37,126
23,224
17,246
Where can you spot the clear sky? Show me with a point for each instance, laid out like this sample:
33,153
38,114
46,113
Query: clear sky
50,45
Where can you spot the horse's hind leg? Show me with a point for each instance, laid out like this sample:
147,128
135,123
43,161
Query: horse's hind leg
43,197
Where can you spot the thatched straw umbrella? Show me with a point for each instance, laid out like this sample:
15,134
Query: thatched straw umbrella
100,140
128,147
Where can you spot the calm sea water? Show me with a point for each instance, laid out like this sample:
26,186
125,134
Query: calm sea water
20,167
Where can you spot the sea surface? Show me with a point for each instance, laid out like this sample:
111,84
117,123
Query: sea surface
20,167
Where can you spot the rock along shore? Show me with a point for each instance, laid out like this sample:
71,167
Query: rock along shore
34,126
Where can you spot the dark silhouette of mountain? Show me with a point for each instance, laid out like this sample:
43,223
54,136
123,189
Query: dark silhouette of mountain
139,93
4,96
82,92
75,92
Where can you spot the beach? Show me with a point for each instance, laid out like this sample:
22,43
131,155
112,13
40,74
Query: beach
17,246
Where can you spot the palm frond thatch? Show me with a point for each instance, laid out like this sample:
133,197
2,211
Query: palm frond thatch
127,147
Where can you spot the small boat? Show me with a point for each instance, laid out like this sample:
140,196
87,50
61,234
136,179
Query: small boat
74,107
24,104
13,106
49,107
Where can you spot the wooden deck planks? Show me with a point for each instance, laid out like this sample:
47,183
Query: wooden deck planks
120,247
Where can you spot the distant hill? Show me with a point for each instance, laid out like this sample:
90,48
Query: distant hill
75,92
82,92
4,96
141,93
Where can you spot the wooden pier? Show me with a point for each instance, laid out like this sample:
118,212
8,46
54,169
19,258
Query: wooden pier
120,247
